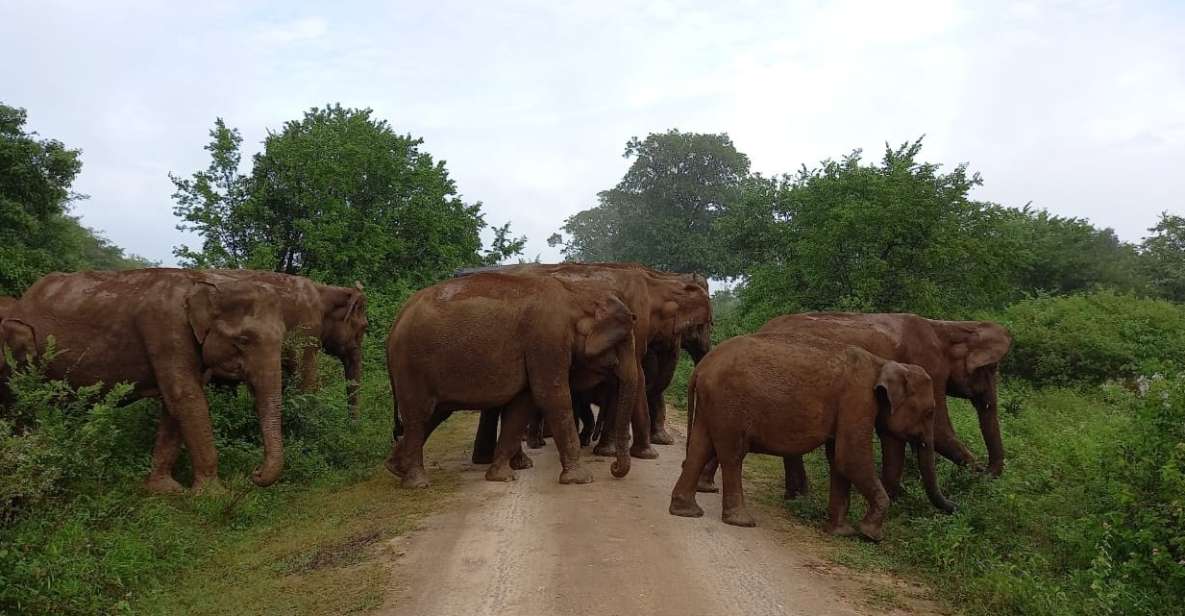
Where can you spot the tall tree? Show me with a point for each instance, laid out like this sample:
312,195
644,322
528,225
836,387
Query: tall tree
662,211
1162,256
898,236
336,195
37,233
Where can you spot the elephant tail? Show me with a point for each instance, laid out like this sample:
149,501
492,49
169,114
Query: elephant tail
690,404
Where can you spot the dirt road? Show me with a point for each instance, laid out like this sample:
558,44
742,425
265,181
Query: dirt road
608,548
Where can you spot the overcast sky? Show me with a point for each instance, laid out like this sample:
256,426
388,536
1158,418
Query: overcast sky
1078,107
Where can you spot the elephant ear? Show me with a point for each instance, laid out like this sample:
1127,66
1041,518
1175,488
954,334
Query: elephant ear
988,346
892,386
611,323
18,338
201,306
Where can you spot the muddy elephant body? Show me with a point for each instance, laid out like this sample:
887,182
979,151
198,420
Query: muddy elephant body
961,358
511,342
673,310
773,395
166,332
322,317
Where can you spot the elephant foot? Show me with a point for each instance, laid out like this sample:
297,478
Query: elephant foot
738,517
894,490
482,458
521,461
415,478
707,484
605,448
392,467
995,469
661,437
685,507
644,453
585,440
793,494
576,474
872,531
536,442
841,530
500,472
946,506
164,484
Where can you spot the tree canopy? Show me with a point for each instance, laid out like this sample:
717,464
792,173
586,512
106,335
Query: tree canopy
37,233
337,195
662,211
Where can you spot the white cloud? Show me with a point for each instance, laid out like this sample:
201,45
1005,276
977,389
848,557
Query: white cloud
1074,107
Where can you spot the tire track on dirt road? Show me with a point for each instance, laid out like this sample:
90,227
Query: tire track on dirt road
608,548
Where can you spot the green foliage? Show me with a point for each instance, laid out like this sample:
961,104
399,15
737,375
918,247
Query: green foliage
899,236
662,211
37,234
1085,520
1091,338
77,535
1163,257
337,196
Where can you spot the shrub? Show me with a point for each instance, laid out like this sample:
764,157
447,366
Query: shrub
1093,337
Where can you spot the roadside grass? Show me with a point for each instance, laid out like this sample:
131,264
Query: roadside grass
321,553
97,544
1026,543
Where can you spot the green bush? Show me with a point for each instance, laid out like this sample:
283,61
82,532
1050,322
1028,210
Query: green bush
1092,338
77,533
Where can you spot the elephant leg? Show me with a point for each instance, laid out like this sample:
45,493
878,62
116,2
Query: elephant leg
946,442
658,418
640,446
605,445
164,455
707,477
839,498
587,421
535,430
407,456
557,407
486,438
892,464
186,402
734,510
699,452
853,458
796,481
514,421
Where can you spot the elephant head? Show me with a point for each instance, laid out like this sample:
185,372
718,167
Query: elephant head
240,330
905,394
605,340
686,315
343,327
974,351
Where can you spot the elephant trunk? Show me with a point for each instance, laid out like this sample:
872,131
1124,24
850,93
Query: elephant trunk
925,453
352,362
628,392
267,389
989,424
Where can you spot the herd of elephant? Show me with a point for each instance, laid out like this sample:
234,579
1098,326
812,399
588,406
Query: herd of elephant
530,346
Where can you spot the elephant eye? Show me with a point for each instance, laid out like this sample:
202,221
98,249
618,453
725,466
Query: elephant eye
242,340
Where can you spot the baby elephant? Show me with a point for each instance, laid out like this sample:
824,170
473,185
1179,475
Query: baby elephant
781,395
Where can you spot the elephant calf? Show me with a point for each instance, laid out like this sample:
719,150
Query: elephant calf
776,395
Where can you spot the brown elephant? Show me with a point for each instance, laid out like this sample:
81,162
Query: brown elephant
772,394
509,342
332,318
961,358
672,309
166,332
7,304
